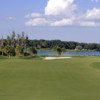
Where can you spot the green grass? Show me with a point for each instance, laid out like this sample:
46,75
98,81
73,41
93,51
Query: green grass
35,79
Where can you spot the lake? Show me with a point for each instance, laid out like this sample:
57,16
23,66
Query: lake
81,53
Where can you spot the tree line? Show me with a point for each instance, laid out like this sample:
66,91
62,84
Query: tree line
16,45
64,45
20,44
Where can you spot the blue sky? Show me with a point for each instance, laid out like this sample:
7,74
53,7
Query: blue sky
67,20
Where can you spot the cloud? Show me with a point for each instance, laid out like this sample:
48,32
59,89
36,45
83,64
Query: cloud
33,15
57,13
10,18
63,13
63,22
91,18
60,7
89,23
94,0
93,13
36,22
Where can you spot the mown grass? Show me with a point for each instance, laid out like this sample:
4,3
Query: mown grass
36,79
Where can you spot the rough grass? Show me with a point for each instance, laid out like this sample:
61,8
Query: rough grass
36,79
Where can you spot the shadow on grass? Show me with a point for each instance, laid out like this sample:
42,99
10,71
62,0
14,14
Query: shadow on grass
96,65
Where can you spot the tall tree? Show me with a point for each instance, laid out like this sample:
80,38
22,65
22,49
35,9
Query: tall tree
13,39
22,39
18,39
8,41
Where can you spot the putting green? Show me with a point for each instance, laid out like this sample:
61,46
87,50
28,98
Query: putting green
77,78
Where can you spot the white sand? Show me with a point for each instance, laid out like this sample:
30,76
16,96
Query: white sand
53,58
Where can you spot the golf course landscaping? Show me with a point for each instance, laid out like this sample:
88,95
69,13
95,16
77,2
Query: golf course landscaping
77,78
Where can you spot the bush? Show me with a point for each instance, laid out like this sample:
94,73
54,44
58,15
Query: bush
59,51
26,54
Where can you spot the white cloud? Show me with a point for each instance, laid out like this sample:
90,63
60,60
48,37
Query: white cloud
90,18
36,22
93,13
57,13
63,22
62,13
10,18
33,15
89,23
60,7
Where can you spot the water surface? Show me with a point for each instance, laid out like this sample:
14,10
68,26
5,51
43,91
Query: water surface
80,53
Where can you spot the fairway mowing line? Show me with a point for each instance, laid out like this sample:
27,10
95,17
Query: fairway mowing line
55,58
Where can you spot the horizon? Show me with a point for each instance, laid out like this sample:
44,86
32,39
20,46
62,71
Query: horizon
67,20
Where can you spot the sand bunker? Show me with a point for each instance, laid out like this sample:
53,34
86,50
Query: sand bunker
54,58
